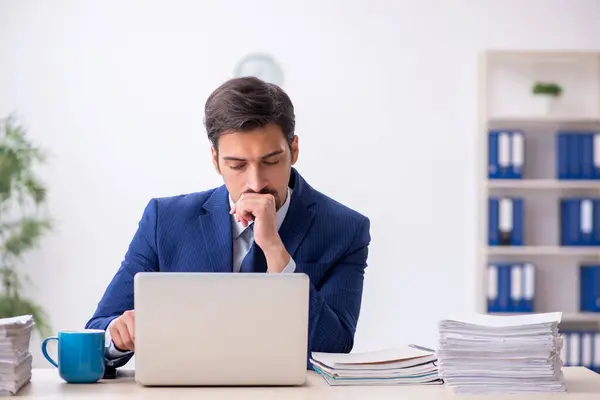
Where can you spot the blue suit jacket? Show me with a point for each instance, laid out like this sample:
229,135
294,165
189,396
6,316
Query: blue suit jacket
192,232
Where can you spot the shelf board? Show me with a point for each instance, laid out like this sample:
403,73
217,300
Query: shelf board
568,317
544,250
533,119
542,184
581,317
548,56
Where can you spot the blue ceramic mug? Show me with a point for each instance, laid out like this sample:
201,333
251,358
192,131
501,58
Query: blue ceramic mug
80,355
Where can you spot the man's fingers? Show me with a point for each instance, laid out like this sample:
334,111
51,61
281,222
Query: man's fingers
246,216
130,327
244,211
251,205
122,331
120,337
127,341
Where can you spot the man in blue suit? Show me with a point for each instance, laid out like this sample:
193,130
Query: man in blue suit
265,219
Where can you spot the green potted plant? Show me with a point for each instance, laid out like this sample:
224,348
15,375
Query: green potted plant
22,219
545,95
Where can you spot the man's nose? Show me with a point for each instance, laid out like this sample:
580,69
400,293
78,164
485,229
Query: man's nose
256,181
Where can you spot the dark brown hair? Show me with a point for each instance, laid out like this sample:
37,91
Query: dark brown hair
244,104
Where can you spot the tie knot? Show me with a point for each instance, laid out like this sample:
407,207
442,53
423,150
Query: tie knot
249,230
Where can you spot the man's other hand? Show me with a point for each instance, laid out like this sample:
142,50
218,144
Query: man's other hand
122,331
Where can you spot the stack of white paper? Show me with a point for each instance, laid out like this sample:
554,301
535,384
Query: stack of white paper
501,354
15,357
406,365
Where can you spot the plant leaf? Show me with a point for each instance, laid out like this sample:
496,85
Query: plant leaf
25,236
21,226
12,306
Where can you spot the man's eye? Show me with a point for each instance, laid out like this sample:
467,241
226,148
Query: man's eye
236,166
271,162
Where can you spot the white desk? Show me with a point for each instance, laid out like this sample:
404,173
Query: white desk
46,384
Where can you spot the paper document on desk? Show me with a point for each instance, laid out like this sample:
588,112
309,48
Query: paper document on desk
484,321
501,354
403,365
15,356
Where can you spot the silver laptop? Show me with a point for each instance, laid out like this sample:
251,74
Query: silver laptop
221,329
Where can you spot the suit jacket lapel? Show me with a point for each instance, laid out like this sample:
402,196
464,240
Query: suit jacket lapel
299,216
215,227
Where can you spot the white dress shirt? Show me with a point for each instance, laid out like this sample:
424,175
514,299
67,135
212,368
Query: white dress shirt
243,237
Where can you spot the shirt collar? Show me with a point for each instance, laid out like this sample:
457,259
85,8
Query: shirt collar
237,228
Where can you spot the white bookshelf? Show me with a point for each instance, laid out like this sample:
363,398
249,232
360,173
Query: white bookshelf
506,102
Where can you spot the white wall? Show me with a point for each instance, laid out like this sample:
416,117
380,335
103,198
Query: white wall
385,93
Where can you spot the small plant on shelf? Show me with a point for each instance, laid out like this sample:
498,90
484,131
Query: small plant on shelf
547,89
545,96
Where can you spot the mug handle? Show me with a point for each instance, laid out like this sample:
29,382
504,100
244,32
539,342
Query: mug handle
45,351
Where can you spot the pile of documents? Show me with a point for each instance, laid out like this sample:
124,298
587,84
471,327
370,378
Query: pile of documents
406,365
15,357
487,354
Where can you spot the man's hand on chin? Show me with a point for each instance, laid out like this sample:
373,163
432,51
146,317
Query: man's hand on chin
261,209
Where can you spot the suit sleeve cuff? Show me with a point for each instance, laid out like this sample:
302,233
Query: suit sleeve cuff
289,268
110,351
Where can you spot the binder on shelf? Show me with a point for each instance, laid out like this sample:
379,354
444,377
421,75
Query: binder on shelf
575,155
579,222
574,352
517,155
503,304
596,155
511,287
493,166
596,352
564,352
562,156
506,154
499,288
586,349
517,238
516,288
578,155
596,227
492,285
586,224
586,148
589,288
505,221
528,287
493,222
569,221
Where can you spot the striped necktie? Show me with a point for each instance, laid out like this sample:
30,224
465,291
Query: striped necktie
255,260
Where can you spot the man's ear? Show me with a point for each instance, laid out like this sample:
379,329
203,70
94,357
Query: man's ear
295,150
215,159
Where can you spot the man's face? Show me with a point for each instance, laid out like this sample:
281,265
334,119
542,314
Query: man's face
258,161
